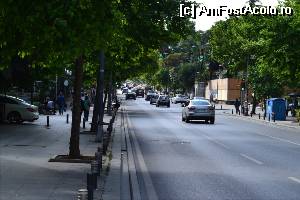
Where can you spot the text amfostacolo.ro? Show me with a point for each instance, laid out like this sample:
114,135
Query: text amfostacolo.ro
196,10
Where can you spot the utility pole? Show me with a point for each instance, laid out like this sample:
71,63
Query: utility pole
99,132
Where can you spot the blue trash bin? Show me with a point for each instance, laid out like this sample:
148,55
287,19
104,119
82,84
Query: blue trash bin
276,106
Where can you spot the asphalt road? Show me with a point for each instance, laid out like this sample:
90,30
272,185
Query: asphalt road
232,159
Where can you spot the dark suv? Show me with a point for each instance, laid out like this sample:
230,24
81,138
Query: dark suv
163,100
130,95
139,93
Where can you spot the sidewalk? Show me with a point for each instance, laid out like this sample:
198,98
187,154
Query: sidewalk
25,150
227,109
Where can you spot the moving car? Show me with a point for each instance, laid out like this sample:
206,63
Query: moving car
179,98
125,90
201,98
199,109
154,99
163,100
139,93
130,95
149,95
17,110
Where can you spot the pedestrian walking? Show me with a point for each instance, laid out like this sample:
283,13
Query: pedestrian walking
86,107
237,105
61,103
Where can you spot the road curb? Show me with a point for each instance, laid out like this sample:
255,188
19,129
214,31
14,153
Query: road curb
260,121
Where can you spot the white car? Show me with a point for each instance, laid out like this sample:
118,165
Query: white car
17,110
179,98
199,110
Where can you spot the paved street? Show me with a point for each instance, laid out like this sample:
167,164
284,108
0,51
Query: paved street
233,159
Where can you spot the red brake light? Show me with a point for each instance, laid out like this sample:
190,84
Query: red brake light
30,109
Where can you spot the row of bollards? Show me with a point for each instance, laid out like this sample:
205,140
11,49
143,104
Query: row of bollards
91,178
96,165
48,120
270,116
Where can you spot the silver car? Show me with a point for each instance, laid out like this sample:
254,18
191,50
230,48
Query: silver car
199,110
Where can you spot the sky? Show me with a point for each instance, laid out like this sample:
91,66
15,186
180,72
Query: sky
204,22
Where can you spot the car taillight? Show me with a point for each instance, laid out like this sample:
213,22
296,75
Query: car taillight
192,108
30,109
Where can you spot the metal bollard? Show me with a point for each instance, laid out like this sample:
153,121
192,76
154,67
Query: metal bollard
47,121
82,194
221,107
90,185
269,117
95,167
258,115
98,157
67,118
83,123
273,117
232,111
264,116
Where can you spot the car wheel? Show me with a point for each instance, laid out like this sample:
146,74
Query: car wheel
14,117
206,121
175,102
212,120
187,120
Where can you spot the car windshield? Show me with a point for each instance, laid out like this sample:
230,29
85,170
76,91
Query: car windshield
200,103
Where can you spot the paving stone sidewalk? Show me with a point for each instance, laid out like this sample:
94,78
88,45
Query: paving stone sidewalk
290,122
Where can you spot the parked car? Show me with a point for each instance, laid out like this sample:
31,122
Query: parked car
163,100
125,90
154,99
199,110
17,110
149,95
139,93
179,98
130,95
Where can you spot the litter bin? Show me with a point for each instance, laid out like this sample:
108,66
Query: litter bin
276,106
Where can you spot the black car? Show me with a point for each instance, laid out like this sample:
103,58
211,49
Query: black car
130,95
163,100
139,93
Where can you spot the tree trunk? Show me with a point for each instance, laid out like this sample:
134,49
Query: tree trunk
109,102
74,151
99,132
96,106
105,99
254,105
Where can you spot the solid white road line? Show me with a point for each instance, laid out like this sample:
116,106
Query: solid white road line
145,173
283,140
294,179
252,159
